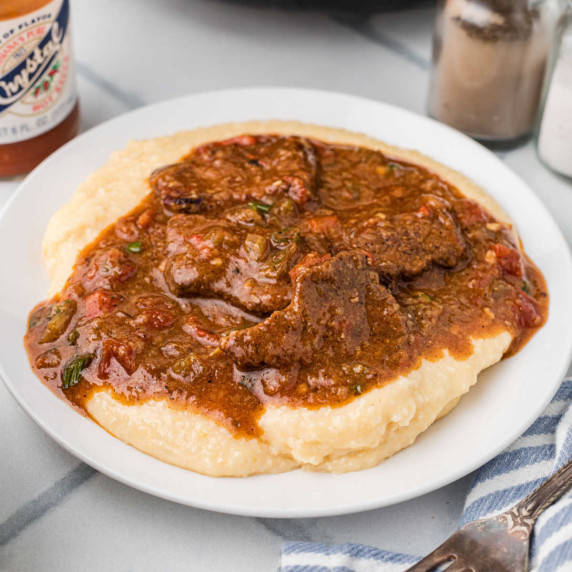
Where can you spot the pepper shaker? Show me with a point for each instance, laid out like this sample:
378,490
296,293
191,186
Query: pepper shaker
489,61
554,143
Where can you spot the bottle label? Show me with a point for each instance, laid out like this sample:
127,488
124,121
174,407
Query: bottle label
37,79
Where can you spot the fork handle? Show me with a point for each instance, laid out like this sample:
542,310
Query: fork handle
530,508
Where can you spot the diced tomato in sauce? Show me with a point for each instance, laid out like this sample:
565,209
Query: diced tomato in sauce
509,259
122,353
101,303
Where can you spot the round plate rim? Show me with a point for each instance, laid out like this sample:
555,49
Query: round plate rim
297,511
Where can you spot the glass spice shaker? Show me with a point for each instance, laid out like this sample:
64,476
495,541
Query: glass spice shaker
554,139
39,109
489,60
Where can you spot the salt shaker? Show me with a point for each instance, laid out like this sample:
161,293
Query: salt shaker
554,142
489,62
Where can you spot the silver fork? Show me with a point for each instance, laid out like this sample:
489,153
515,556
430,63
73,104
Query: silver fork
498,543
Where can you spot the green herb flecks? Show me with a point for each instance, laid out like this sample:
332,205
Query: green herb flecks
421,296
285,236
72,337
525,287
357,389
135,247
259,207
73,369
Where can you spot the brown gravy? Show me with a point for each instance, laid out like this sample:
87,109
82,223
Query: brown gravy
270,269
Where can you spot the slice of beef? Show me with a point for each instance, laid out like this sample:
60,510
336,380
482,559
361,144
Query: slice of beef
245,265
338,306
406,244
240,169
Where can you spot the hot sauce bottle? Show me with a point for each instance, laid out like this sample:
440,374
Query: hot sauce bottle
39,109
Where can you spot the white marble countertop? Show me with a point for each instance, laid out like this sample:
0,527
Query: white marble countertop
58,514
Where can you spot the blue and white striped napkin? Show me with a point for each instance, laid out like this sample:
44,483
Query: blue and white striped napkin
498,485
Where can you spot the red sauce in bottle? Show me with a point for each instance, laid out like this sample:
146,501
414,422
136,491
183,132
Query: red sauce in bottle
39,110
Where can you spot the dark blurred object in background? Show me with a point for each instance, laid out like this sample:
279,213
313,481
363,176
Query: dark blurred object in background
337,5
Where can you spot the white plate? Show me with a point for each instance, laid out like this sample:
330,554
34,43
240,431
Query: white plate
505,402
